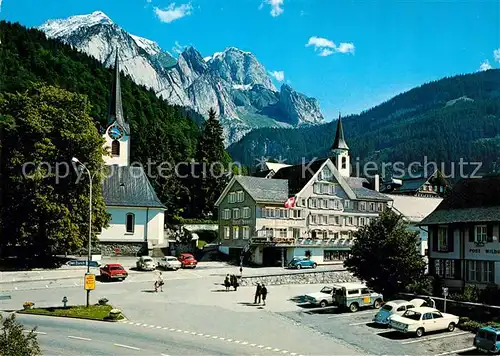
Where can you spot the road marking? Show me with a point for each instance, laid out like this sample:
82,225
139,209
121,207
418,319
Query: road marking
199,334
284,351
268,348
237,341
457,351
145,325
35,332
435,338
186,332
276,350
244,343
362,323
127,347
138,324
260,346
165,328
222,338
253,345
193,333
158,327
79,338
207,335
229,340
348,315
164,355
215,337
172,329
179,330
151,326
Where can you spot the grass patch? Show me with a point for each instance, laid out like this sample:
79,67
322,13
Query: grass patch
93,312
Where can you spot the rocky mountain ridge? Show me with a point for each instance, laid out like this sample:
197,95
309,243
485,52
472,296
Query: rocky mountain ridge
233,82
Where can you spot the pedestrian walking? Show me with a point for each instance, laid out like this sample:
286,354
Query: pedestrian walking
234,282
263,291
159,283
258,291
227,283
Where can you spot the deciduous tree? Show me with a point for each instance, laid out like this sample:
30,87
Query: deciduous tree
14,341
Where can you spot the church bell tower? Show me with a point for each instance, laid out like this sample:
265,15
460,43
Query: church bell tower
340,151
117,135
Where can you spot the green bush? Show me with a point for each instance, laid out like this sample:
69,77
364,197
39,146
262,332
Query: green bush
470,325
469,294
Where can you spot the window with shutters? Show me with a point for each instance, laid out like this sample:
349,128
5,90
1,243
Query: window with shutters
115,148
480,271
480,233
442,239
445,268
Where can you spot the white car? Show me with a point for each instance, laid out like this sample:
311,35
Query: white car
322,298
145,263
395,307
423,319
170,262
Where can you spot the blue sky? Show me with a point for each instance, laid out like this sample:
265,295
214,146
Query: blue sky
360,54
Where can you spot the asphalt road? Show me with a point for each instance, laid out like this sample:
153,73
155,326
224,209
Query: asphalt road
60,336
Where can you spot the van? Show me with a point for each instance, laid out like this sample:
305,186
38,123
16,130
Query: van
356,295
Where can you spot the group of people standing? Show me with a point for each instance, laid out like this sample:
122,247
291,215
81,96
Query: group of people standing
231,281
260,292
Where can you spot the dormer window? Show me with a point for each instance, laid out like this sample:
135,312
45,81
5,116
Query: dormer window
115,148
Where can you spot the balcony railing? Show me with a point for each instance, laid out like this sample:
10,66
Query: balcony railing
281,241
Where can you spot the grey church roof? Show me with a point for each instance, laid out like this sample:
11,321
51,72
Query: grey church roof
339,142
263,189
115,109
129,186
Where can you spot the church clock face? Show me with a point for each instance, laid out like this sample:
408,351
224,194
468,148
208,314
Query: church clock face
115,132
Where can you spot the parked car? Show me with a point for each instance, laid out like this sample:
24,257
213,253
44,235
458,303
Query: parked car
487,339
395,307
113,271
187,260
322,298
169,262
423,319
146,263
302,262
356,295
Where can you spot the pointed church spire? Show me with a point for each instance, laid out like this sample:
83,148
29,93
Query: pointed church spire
339,143
115,111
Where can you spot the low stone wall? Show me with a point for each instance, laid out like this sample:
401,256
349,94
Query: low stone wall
125,249
326,277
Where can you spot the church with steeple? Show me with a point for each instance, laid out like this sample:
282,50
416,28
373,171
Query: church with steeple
137,215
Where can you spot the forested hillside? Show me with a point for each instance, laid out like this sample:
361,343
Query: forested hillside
445,120
160,132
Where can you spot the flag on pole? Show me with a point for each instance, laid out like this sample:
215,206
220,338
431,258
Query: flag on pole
290,203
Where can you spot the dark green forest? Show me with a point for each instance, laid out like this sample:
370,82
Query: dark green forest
425,121
160,132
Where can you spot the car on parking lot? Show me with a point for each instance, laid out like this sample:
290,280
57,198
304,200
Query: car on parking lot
302,262
145,263
169,262
422,320
355,295
187,260
322,298
487,339
395,307
113,271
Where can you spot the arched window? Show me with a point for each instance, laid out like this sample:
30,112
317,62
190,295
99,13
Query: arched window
115,148
344,162
130,222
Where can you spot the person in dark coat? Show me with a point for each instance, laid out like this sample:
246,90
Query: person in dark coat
257,293
227,283
234,282
263,291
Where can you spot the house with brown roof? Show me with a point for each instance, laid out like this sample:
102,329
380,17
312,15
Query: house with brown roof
464,234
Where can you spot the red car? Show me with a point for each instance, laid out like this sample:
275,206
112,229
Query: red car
113,271
187,260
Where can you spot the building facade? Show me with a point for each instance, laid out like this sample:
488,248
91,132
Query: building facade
137,215
464,234
308,210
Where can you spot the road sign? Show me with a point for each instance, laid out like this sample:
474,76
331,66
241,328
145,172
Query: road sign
445,291
89,281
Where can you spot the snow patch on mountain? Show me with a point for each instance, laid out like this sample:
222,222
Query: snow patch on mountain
151,47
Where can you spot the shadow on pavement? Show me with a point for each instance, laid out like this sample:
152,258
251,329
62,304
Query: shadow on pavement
377,326
471,352
394,335
222,290
148,291
297,299
248,304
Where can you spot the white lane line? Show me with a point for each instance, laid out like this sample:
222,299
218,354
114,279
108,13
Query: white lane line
79,338
207,335
253,345
35,332
137,324
193,333
151,326
215,337
244,343
268,348
199,334
222,338
293,354
284,351
179,330
165,328
145,325
276,350
172,329
164,355
260,346
457,351
186,332
127,347
229,340
237,341
362,323
158,327
435,338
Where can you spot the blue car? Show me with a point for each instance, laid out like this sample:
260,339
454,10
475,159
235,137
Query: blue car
302,262
487,339
395,307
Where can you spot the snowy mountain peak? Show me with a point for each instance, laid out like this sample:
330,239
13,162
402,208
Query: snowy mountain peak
62,27
151,47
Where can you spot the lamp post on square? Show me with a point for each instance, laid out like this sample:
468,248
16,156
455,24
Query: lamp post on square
89,256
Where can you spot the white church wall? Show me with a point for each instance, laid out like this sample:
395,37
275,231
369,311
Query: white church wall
156,226
121,160
117,230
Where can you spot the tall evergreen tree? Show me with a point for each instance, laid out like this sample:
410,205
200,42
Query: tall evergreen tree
211,166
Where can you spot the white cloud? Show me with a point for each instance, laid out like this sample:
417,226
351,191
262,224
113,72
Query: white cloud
0,5
325,47
178,48
276,7
149,1
496,54
485,65
279,75
172,12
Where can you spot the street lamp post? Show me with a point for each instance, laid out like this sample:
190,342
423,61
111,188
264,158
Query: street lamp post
89,256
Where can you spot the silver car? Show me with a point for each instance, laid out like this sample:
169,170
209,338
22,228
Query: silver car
169,262
146,263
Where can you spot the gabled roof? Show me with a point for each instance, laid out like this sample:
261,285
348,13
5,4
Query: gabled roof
275,166
369,194
299,175
414,209
339,142
470,200
129,186
261,190
115,109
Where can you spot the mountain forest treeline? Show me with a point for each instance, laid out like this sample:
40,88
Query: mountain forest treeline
31,64
446,120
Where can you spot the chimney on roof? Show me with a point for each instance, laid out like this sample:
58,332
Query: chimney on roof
377,183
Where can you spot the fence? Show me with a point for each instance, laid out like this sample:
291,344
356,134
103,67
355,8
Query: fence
474,311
